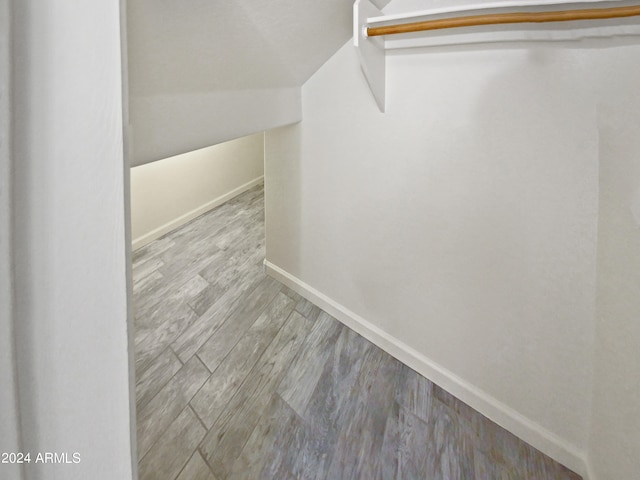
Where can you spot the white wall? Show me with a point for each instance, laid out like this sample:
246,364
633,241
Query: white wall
170,192
459,229
70,243
9,434
615,433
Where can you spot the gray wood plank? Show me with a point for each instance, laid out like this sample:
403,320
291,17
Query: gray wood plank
519,459
211,224
146,285
359,447
449,452
231,270
301,379
457,405
196,469
404,446
290,293
202,247
145,268
303,307
485,467
497,444
252,197
214,396
151,249
330,400
536,465
391,444
150,382
154,418
415,393
224,442
231,303
264,452
244,255
307,309
176,288
287,440
193,259
208,297
314,313
174,448
217,289
150,291
185,284
249,228
149,346
161,308
216,348
244,233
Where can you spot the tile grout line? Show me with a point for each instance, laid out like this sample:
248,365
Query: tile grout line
232,310
187,404
248,374
204,458
141,406
165,384
205,365
162,433
198,417
170,341
251,370
185,465
176,355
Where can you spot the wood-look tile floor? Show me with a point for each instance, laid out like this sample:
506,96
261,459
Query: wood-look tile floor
238,377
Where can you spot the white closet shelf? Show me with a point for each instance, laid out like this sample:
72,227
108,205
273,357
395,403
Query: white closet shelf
371,25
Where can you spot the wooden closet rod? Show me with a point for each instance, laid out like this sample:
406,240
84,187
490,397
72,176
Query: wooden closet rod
505,18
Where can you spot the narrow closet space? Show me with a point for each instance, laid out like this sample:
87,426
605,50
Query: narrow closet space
397,276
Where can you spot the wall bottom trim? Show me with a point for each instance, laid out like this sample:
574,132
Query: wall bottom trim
196,212
508,418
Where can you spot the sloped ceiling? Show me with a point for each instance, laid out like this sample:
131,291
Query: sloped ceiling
206,71
195,45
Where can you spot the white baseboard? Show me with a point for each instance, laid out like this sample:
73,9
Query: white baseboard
516,423
142,240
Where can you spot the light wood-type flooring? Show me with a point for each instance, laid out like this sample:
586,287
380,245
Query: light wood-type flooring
238,377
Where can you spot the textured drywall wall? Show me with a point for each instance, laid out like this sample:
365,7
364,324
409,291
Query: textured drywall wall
9,433
463,222
615,430
70,243
170,192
